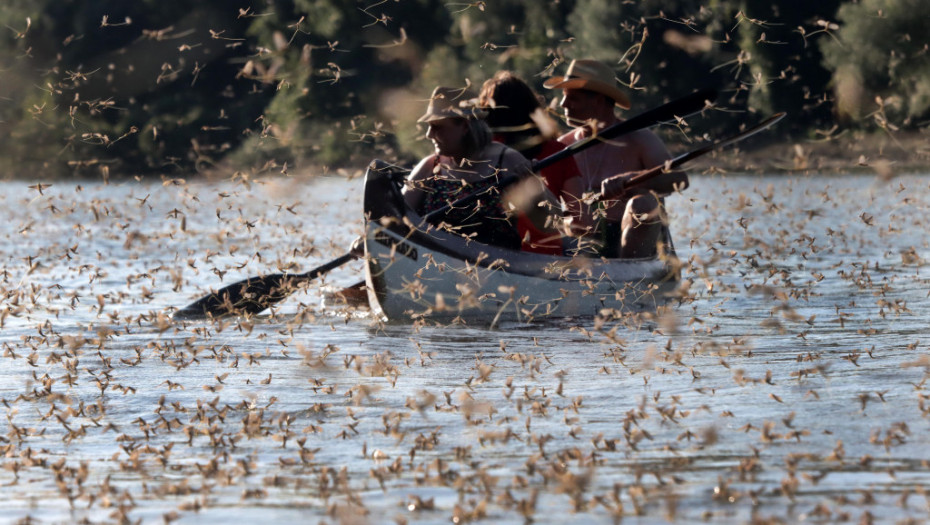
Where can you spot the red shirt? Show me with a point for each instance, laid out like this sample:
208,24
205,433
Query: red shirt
555,177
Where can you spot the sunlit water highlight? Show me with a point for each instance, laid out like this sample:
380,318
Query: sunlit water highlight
788,383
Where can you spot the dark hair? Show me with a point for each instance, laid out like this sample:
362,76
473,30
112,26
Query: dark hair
508,99
478,136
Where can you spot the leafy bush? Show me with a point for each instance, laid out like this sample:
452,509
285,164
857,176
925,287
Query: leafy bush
880,61
156,86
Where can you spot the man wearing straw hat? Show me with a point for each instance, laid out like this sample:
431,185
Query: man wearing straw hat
465,161
632,225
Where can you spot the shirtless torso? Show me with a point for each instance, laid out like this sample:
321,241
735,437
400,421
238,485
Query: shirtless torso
629,226
629,213
633,152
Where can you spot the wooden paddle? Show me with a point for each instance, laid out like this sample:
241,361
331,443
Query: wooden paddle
615,186
254,294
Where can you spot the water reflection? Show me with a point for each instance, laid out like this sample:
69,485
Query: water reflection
787,383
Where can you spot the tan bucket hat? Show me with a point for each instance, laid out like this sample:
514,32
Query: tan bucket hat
592,75
449,102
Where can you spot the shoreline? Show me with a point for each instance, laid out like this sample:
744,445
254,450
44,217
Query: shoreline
884,154
850,152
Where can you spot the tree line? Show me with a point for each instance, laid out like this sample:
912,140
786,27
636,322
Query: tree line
169,87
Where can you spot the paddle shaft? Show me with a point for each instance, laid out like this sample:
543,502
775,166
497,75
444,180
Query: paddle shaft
675,109
617,185
325,268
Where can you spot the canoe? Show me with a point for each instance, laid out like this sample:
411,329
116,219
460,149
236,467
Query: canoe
413,271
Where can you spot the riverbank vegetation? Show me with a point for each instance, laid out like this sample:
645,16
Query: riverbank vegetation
162,88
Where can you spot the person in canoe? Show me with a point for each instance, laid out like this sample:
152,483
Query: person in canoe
518,119
466,161
631,224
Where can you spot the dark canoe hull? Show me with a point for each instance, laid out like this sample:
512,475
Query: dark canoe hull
415,272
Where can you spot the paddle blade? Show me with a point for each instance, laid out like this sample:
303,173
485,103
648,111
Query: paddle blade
249,296
252,295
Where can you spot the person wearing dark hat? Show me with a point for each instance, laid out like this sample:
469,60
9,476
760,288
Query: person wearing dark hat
517,119
630,226
466,161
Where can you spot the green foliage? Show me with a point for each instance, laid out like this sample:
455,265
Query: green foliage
326,17
135,86
595,27
880,60
156,86
785,71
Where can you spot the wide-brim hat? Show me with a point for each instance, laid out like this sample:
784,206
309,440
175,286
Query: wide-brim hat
447,102
592,75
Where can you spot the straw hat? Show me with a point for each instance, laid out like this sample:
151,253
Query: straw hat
592,75
449,102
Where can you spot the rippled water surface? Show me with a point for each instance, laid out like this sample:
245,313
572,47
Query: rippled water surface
787,383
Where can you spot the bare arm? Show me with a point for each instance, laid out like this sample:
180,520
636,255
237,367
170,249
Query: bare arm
413,192
652,155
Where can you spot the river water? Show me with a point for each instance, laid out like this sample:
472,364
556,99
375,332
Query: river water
787,383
